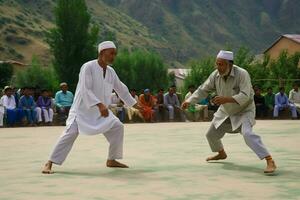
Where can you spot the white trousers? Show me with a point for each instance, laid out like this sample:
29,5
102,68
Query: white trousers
214,137
291,106
48,114
114,136
171,112
297,106
1,118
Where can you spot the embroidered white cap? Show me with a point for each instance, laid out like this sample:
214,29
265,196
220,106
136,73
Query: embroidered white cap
227,55
106,45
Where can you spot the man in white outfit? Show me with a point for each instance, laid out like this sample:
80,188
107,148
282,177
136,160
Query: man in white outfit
237,109
294,96
89,113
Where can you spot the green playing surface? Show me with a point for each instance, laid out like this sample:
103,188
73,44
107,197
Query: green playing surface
167,162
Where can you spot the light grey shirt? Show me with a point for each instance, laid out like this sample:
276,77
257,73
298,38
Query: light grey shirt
237,85
294,96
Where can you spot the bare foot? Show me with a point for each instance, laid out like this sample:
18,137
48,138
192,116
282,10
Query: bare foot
48,168
114,163
271,167
220,156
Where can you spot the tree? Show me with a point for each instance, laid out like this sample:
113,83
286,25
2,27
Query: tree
200,71
141,69
260,72
37,76
150,71
243,58
285,67
72,42
123,67
6,71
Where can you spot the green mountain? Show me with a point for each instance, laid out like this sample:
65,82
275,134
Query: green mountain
178,29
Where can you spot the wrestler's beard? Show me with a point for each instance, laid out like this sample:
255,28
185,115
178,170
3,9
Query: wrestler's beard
226,72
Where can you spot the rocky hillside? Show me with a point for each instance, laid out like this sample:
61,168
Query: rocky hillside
179,30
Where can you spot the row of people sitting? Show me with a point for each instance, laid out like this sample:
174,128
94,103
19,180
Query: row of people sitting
19,106
153,107
272,104
158,108
26,104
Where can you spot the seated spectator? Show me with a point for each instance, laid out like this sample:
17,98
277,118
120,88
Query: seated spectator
294,97
13,114
117,106
131,111
260,105
255,87
270,100
179,95
282,103
161,108
147,103
172,104
44,104
28,106
63,102
194,110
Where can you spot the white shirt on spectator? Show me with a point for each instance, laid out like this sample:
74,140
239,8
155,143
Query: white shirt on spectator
294,96
9,102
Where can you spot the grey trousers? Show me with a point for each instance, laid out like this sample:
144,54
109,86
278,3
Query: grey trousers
64,144
254,141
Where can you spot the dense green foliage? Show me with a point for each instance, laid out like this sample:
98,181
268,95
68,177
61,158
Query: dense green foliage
72,42
141,69
37,76
6,72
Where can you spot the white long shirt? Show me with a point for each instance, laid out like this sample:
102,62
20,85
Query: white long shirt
136,99
238,85
93,88
9,102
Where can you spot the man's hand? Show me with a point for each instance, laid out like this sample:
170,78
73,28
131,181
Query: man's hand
185,105
103,110
219,100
